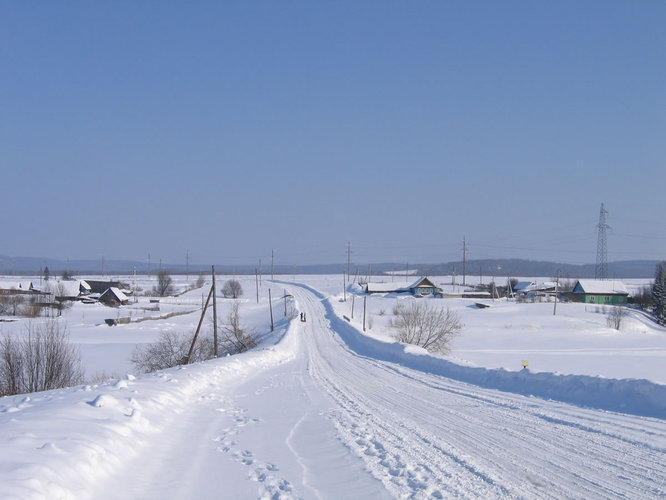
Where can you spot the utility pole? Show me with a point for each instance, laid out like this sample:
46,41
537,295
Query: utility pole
557,285
186,359
285,302
270,305
272,261
214,316
365,300
464,260
348,259
352,311
344,288
259,272
256,282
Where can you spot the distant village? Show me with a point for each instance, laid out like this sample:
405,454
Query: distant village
50,296
600,292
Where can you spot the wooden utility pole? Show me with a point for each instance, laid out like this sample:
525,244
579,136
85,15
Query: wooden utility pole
256,282
270,305
464,260
285,302
186,361
352,313
557,285
214,315
344,288
348,259
365,300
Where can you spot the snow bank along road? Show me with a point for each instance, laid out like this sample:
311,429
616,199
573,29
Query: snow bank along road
312,418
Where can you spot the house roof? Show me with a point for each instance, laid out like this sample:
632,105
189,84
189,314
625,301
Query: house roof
523,286
18,285
385,288
422,282
115,292
396,288
61,288
610,287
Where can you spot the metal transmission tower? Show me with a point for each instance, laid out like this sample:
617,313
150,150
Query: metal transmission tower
601,271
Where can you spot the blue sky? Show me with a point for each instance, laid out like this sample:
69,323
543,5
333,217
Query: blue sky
232,128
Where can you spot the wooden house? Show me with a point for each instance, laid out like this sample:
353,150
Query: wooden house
421,287
611,292
113,297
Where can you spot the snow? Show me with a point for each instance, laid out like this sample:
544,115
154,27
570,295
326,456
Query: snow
603,287
322,409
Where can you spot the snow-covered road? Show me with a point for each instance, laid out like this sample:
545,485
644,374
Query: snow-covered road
313,418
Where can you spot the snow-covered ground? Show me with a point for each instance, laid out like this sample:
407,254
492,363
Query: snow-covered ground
322,410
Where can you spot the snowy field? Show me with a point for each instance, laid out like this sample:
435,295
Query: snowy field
322,410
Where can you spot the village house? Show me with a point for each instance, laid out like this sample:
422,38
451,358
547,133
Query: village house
113,297
534,289
611,292
419,288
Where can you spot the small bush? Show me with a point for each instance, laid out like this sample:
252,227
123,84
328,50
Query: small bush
615,317
169,351
43,360
235,337
233,289
429,327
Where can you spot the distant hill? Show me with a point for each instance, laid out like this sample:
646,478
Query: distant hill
487,267
530,268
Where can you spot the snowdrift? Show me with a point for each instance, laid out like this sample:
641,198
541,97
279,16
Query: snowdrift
632,396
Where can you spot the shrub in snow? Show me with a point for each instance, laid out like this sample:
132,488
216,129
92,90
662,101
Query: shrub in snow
42,360
169,351
235,337
429,327
615,317
232,288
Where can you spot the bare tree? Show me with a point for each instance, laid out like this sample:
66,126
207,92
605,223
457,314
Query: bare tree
235,337
232,288
616,316
164,285
43,360
643,298
429,327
